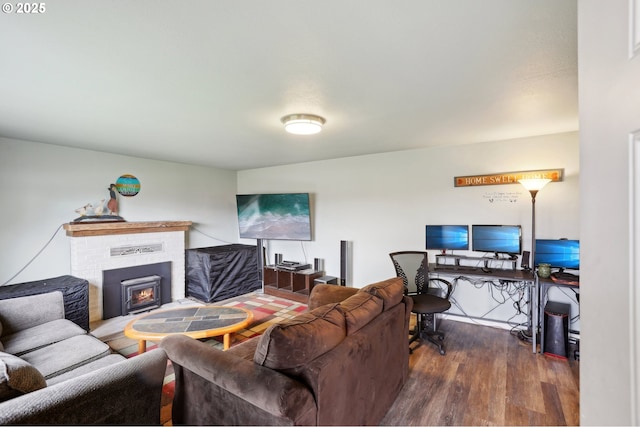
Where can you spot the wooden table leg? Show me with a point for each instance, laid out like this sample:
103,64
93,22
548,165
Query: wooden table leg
142,346
226,340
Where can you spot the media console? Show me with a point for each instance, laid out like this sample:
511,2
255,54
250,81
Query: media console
290,284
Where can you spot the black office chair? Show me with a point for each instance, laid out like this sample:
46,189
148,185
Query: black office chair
428,300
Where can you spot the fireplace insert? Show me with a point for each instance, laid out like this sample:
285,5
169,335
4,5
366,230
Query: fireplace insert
140,294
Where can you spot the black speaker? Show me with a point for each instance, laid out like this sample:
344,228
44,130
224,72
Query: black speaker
318,264
524,262
556,329
278,259
343,262
260,257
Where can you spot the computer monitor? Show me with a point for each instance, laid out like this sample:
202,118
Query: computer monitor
447,237
499,239
559,253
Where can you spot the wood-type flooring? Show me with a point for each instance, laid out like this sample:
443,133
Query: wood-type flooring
487,377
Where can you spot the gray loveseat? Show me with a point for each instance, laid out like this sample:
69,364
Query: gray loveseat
53,372
343,362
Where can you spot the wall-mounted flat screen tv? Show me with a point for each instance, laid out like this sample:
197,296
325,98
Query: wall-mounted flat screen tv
499,239
447,237
284,216
560,253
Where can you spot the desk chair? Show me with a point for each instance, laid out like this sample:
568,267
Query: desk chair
413,268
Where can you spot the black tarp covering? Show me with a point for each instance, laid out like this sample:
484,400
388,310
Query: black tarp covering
221,272
75,294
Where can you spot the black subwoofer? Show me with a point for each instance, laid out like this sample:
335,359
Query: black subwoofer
556,329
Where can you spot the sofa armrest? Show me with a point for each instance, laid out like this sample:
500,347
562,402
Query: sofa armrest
17,314
125,393
323,293
214,387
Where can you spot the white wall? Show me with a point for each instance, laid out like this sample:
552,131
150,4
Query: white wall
381,203
609,92
41,186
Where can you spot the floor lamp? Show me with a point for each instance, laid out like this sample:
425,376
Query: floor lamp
533,185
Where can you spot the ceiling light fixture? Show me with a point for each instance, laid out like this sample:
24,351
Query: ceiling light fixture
303,124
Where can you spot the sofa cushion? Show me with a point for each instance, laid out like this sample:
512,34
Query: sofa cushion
296,341
109,360
246,349
39,336
18,313
390,291
324,293
359,310
18,377
66,355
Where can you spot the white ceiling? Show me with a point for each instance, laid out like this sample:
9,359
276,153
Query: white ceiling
206,82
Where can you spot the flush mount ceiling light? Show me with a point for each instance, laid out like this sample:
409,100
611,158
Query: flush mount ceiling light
302,124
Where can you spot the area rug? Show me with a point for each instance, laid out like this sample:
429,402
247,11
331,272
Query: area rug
266,309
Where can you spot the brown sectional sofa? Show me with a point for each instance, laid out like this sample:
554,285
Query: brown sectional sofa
343,362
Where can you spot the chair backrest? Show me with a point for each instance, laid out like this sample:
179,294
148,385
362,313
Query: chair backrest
413,267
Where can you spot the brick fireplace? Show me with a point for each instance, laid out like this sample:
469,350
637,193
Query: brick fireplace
97,247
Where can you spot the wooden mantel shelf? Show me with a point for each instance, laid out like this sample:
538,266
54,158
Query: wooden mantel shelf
82,229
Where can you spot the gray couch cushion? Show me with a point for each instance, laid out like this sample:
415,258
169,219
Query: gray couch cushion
295,342
66,355
21,313
39,336
17,377
89,367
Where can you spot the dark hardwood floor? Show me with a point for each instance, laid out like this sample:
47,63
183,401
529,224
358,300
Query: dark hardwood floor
487,377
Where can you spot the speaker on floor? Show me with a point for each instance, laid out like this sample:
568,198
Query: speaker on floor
260,255
343,262
556,329
524,262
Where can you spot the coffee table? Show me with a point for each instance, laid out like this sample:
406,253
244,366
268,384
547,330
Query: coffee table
194,322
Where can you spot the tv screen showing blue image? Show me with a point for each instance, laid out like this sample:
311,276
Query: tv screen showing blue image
284,216
499,239
447,237
559,253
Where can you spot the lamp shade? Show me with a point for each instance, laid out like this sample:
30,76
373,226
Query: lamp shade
303,124
534,184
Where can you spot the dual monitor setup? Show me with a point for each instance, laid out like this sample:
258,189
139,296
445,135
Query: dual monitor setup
502,240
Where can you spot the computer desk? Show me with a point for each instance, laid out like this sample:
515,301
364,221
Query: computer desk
544,284
494,274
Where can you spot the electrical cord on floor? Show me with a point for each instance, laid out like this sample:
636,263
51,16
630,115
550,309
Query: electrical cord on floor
523,335
34,257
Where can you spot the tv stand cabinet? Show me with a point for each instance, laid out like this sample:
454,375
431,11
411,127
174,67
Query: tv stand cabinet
293,285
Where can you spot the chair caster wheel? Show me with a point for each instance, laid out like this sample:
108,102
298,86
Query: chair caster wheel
442,352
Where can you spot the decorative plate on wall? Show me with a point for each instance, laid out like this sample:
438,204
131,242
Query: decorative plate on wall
128,185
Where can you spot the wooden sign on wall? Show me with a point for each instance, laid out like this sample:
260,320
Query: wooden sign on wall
507,177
